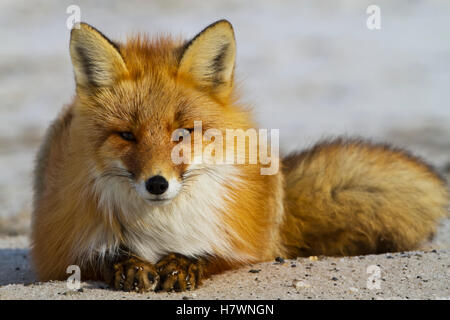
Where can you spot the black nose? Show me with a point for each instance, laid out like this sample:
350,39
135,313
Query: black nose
157,185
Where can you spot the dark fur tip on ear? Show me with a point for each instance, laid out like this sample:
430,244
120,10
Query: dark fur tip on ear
82,24
221,21
79,26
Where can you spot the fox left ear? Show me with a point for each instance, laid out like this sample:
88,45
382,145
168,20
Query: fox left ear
209,58
96,60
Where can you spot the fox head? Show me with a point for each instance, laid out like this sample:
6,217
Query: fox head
132,97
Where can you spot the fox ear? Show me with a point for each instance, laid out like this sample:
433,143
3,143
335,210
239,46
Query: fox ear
96,60
209,58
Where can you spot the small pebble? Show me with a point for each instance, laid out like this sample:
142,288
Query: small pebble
279,260
254,270
334,269
300,284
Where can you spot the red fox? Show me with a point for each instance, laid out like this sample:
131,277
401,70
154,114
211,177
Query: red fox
109,198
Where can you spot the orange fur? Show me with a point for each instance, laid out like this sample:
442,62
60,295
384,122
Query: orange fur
349,197
339,198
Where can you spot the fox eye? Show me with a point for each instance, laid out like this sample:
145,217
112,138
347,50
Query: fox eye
127,136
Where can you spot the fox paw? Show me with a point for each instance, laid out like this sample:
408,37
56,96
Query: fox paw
134,275
179,273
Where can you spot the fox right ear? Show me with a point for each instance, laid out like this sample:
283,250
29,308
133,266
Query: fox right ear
96,60
209,58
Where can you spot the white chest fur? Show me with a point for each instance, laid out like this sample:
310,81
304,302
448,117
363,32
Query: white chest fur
192,224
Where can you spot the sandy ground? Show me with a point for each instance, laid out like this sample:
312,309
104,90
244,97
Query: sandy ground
310,68
408,275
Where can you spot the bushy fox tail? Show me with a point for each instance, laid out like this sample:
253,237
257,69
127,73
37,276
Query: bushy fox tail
350,197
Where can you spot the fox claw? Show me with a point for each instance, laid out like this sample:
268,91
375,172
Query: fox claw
134,275
179,273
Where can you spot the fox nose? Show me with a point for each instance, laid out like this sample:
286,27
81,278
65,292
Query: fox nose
157,185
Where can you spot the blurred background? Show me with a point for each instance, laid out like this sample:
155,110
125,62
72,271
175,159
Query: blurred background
310,68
